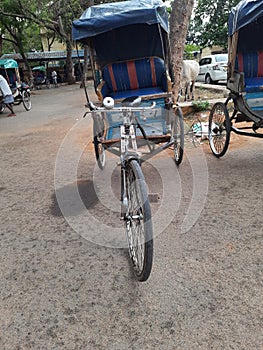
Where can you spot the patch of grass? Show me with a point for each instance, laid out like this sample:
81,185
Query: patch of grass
200,106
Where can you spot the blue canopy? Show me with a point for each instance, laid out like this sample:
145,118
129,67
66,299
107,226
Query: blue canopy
244,13
102,18
8,63
124,30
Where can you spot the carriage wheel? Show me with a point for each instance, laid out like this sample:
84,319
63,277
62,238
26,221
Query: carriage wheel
178,133
219,129
138,221
98,131
26,100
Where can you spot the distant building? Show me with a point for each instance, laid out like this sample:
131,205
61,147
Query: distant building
212,50
46,56
49,59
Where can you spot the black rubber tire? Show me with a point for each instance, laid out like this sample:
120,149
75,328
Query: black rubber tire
26,100
100,152
178,134
219,129
2,107
208,79
138,221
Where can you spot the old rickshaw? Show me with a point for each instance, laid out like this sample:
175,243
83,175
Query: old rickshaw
245,79
131,64
20,90
40,77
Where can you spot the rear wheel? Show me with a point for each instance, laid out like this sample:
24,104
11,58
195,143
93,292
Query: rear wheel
2,107
208,79
219,129
98,131
138,221
178,134
26,100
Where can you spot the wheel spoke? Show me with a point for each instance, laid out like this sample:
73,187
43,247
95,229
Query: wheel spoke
26,100
98,131
178,135
219,129
138,222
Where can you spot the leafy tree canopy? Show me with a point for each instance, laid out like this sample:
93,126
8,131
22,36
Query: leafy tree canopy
209,23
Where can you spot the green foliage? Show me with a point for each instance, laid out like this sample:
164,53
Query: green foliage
209,23
199,106
189,50
18,33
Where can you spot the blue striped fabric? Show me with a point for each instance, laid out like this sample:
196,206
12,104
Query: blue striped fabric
148,75
250,64
121,76
254,84
144,76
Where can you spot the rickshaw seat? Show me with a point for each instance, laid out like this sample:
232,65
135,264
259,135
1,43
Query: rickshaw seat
254,84
144,76
251,64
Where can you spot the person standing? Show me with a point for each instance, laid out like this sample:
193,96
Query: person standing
7,94
54,78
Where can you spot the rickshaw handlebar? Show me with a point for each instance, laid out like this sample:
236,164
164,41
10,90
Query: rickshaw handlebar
108,103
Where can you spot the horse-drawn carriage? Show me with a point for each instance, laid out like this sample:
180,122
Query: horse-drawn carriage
133,75
245,79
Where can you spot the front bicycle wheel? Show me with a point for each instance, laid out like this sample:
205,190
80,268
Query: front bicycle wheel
138,221
26,100
219,129
178,134
98,131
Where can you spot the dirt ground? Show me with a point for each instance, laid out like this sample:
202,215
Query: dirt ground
204,93
63,288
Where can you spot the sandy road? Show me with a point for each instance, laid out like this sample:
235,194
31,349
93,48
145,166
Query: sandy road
60,289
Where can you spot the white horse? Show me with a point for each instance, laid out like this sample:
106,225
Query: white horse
190,70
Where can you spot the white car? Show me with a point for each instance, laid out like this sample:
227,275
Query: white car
213,68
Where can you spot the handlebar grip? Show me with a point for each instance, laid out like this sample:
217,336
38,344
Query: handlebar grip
108,102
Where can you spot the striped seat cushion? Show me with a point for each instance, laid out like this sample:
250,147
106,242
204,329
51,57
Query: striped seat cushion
134,77
252,65
254,84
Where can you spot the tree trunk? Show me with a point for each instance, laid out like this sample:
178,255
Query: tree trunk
85,67
69,64
28,67
179,21
1,44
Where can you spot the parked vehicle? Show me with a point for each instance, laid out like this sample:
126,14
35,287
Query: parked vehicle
242,112
21,91
134,117
40,77
213,69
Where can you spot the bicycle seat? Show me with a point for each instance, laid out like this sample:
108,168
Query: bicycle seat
132,101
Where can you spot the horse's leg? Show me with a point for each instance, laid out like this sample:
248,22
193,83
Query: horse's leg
192,89
186,91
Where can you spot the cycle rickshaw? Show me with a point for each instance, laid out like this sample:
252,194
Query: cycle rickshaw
20,90
245,79
132,71
40,77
